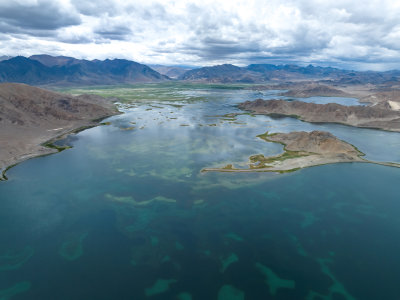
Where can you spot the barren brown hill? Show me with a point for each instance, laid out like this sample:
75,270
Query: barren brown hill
315,89
388,99
319,142
30,116
359,116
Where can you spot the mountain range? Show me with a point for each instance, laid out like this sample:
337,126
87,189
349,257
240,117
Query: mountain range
62,70
173,72
257,73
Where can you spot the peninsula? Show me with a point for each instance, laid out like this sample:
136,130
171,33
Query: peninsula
302,150
383,115
31,117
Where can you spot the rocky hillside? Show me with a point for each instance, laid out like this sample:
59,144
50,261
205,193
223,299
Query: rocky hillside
387,99
30,116
223,74
23,105
259,73
359,116
320,142
314,89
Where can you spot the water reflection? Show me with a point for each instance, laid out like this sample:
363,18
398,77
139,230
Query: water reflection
130,211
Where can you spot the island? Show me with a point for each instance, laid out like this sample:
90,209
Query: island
31,119
302,150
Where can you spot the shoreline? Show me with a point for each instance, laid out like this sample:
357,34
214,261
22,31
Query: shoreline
32,119
280,115
47,147
275,115
369,117
264,170
298,158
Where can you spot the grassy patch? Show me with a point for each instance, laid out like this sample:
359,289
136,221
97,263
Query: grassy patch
175,105
228,167
3,176
249,114
259,161
160,92
266,135
127,128
53,146
289,171
280,116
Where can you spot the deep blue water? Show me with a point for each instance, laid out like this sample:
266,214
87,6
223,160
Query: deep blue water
127,214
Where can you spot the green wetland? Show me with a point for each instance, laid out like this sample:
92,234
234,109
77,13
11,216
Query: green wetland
126,213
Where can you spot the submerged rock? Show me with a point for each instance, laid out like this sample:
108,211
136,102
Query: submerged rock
229,292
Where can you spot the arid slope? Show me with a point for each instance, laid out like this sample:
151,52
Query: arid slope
31,116
378,116
314,89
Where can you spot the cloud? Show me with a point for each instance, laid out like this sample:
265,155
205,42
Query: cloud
95,8
37,15
112,29
205,32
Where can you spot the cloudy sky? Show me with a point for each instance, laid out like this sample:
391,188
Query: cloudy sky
350,34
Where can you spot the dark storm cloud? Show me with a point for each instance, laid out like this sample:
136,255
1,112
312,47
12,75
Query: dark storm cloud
252,38
6,28
217,49
15,31
80,39
117,32
44,15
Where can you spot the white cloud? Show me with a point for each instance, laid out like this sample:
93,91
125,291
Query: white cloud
208,32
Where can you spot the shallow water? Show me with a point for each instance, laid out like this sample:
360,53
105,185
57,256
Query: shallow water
127,214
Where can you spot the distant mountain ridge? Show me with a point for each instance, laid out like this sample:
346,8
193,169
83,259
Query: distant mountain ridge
61,70
257,73
51,61
5,57
170,71
64,70
223,73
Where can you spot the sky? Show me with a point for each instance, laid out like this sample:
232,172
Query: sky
361,35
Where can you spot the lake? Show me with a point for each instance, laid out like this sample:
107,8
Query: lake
127,213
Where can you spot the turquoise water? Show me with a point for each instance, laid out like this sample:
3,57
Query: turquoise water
127,214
